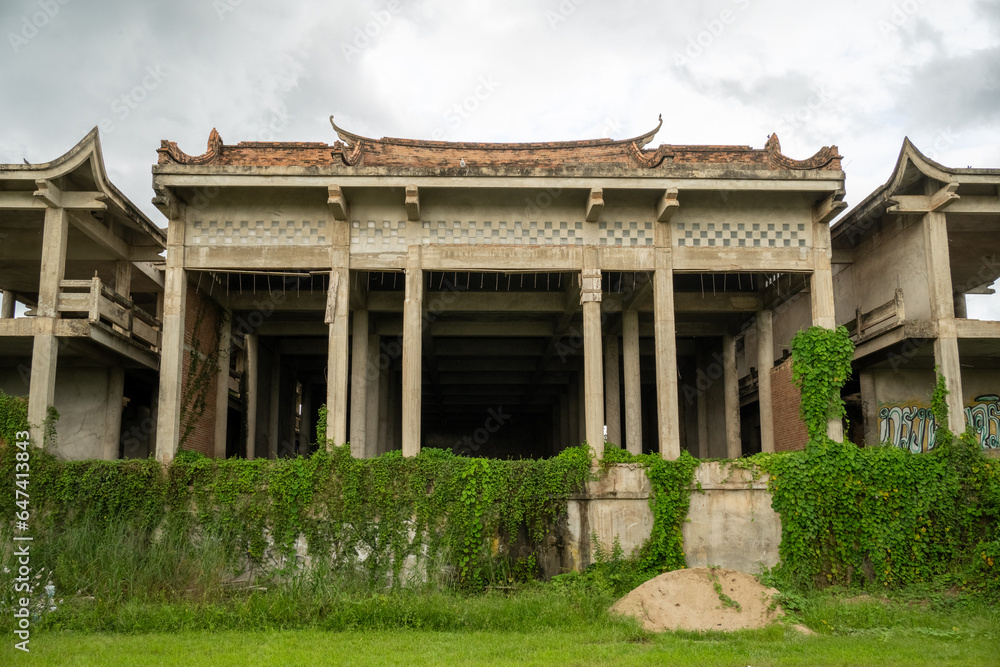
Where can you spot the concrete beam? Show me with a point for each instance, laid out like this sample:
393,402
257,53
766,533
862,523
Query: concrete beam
595,204
829,208
939,200
412,203
338,203
198,176
667,206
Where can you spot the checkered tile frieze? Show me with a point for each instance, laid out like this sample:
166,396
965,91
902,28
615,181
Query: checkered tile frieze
257,232
741,234
625,233
379,235
502,233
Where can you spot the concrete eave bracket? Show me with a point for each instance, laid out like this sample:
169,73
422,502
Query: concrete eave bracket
829,208
338,203
595,204
667,205
412,203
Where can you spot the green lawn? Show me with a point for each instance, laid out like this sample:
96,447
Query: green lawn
600,646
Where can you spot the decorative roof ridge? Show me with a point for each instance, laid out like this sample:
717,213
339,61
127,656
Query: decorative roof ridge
349,138
177,155
819,159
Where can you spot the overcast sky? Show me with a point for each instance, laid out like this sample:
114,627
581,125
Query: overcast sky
858,74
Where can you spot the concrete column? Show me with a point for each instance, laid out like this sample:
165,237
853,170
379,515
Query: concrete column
113,413
123,278
359,384
593,381
384,431
252,346
338,317
274,407
7,307
172,345
667,409
45,347
222,385
612,391
412,351
824,313
765,362
374,375
633,382
54,242
731,388
702,410
573,413
593,376
869,408
961,309
306,433
564,429
940,290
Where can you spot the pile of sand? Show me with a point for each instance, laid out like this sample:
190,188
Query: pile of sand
687,600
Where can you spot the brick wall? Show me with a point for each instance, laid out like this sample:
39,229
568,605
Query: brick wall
789,429
204,313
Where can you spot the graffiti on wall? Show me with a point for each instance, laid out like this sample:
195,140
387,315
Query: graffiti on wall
912,427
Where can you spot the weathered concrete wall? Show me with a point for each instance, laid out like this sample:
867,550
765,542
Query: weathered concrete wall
903,400
730,523
892,258
82,401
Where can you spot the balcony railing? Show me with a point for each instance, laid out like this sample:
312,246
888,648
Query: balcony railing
98,303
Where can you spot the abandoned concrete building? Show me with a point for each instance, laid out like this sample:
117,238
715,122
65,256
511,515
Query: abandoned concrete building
503,300
81,258
916,247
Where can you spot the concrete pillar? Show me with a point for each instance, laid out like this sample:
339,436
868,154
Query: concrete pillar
633,382
731,388
593,372
612,391
573,413
412,351
940,290
667,409
359,383
274,407
765,362
824,313
172,345
123,278
869,408
961,309
222,385
306,432
252,346
374,375
384,431
45,347
702,409
113,413
7,307
338,317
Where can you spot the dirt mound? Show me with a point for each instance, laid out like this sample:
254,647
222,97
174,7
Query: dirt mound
688,600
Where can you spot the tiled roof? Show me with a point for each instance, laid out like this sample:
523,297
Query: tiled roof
357,151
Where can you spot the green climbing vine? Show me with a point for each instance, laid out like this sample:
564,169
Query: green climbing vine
672,483
821,364
880,516
462,519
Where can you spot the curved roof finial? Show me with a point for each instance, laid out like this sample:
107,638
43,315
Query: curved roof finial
348,138
644,139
